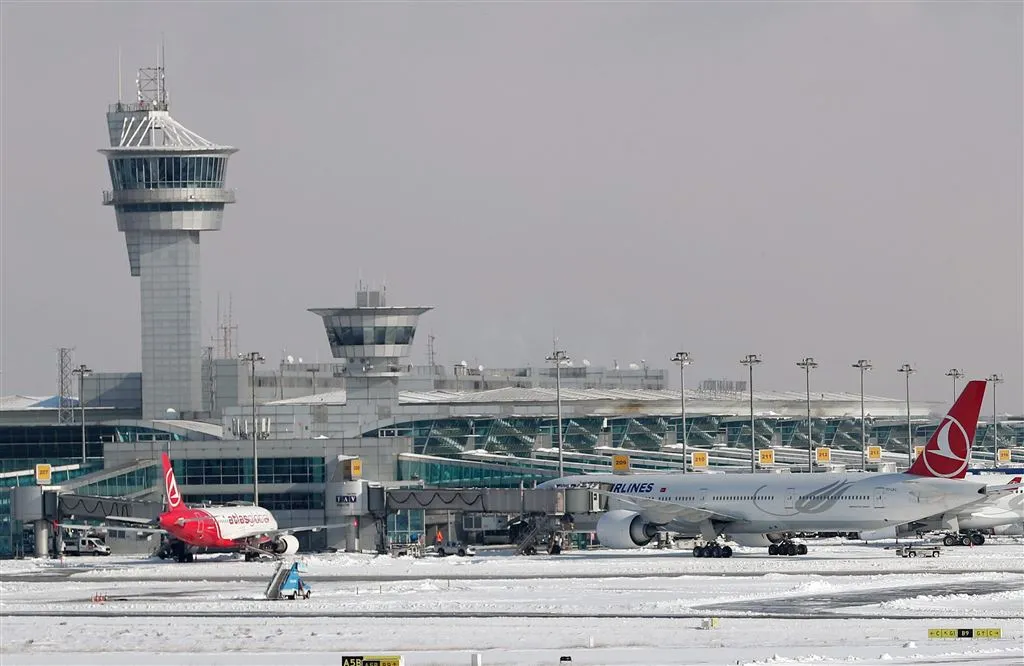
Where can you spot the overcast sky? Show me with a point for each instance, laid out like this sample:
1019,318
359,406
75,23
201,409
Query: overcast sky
841,180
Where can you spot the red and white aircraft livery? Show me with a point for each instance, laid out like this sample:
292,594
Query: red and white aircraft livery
241,528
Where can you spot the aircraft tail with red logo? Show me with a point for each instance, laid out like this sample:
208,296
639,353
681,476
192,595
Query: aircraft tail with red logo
174,501
949,450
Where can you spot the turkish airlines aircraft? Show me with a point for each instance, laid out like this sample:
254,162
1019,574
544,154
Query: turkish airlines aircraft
763,509
1002,512
241,528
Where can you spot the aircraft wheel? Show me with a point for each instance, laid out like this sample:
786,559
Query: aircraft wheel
698,551
977,538
801,549
965,540
716,551
726,551
949,540
773,549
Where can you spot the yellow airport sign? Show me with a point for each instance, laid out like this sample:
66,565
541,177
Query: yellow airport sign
43,474
699,459
352,469
376,660
620,463
918,450
823,454
1003,455
965,633
874,453
766,456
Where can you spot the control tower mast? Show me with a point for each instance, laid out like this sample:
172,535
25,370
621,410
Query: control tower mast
168,185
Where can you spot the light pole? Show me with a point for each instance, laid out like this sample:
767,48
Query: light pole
908,370
558,357
252,358
808,364
313,372
863,365
82,370
995,380
750,360
683,359
955,373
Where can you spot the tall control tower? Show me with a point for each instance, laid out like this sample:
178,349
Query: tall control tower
168,185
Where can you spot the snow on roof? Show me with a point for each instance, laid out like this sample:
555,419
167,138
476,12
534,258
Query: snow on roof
19,402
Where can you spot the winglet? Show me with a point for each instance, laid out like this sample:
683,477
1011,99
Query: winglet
174,503
949,450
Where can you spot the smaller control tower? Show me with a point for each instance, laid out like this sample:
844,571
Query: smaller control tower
373,338
168,186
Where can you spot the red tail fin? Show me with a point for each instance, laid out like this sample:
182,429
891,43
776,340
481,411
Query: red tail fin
949,450
174,503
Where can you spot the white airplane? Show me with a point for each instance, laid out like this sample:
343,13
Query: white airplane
763,509
1001,512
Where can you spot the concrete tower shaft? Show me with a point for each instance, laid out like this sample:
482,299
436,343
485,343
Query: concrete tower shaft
167,187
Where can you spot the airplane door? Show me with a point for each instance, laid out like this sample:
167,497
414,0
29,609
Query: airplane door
879,498
702,495
790,498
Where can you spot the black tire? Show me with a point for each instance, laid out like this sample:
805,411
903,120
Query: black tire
912,553
791,549
698,551
949,540
801,549
977,539
716,551
440,552
773,549
462,553
726,551
965,540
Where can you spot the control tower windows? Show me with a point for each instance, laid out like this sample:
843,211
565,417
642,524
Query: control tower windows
371,335
146,173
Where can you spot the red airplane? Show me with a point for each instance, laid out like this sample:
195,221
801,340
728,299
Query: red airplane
241,528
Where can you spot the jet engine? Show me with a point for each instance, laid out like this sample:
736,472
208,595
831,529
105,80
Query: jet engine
755,540
881,533
624,529
286,544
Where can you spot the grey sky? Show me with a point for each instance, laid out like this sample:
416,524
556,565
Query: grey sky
835,180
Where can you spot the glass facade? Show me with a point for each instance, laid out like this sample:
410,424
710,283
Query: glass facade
47,443
147,173
168,207
405,526
124,485
238,471
462,474
270,501
370,335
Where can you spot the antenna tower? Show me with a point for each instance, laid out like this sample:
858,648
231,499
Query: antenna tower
65,410
430,354
228,331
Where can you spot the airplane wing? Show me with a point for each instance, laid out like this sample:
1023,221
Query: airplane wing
106,528
664,511
992,491
304,528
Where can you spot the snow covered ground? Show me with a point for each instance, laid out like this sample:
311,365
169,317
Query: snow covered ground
842,603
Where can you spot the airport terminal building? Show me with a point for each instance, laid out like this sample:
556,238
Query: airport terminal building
445,426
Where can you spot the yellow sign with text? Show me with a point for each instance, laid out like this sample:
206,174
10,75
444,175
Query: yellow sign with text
823,454
620,463
43,474
918,450
965,633
766,457
874,453
349,660
699,459
1003,455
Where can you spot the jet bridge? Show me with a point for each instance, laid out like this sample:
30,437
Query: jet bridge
548,501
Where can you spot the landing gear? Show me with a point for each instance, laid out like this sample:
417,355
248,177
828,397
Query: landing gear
181,553
970,539
712,550
787,547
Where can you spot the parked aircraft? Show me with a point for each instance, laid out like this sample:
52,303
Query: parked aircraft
1000,512
244,528
763,509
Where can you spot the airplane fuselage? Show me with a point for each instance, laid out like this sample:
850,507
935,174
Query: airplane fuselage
229,527
761,503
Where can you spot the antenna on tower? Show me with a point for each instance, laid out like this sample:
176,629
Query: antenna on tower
430,354
119,76
65,410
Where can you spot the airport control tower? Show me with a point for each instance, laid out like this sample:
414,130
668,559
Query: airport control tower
168,186
373,338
